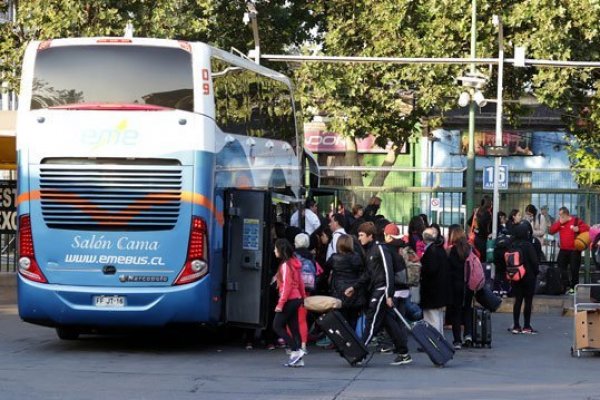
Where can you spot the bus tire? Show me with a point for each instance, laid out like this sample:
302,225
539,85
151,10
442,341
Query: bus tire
65,333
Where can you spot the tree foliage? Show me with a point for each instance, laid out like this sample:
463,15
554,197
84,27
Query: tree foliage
393,101
218,22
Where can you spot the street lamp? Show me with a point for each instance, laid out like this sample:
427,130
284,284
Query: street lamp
472,82
497,21
250,16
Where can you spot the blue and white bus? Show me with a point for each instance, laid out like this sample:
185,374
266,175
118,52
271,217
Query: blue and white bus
146,173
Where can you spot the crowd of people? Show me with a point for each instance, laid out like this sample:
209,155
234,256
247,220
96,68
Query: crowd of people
362,259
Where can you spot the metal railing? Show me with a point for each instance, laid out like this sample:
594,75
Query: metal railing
8,247
439,193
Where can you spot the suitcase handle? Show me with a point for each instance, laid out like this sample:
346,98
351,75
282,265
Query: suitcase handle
404,321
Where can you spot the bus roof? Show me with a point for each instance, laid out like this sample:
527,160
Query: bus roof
226,56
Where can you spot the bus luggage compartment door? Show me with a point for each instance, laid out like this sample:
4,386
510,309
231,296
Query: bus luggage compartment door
248,257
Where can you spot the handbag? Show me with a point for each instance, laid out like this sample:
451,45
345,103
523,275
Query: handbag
322,303
488,299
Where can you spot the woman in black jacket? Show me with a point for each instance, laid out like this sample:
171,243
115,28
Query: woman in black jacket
460,309
346,267
524,289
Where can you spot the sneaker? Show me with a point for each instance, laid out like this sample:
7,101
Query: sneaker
281,343
457,345
516,330
298,364
468,341
324,342
571,291
402,359
295,357
386,348
529,331
249,346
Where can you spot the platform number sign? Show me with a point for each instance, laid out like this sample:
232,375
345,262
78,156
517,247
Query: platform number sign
488,177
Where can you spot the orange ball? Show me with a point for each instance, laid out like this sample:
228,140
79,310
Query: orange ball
582,241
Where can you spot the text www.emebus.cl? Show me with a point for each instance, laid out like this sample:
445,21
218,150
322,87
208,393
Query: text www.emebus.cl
108,259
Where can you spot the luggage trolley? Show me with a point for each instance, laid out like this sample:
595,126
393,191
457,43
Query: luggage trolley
586,321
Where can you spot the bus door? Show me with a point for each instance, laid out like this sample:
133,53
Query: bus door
248,256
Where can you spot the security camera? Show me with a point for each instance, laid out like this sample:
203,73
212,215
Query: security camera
464,99
479,99
476,82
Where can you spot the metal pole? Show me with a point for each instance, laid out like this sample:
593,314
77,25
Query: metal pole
498,160
470,184
256,38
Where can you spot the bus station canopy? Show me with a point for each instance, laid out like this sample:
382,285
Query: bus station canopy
8,149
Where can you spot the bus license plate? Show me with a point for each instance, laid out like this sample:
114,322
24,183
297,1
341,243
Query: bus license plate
109,301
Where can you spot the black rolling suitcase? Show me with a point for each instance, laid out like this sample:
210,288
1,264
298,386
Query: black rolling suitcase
343,337
431,341
482,327
554,281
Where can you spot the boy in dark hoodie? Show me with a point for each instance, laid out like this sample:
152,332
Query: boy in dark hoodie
378,279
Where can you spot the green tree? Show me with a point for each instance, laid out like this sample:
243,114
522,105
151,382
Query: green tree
218,22
566,30
397,101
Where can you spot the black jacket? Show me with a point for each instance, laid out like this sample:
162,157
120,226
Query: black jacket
435,278
484,223
397,260
522,241
457,277
346,269
379,269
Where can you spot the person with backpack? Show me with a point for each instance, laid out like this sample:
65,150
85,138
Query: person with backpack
460,309
309,278
569,258
402,299
522,267
291,297
378,280
481,226
346,268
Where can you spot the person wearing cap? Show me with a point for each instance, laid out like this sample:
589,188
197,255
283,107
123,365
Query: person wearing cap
393,240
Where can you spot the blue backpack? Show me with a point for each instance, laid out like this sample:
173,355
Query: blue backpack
309,273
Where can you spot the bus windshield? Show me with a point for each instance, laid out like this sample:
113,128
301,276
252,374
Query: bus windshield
113,74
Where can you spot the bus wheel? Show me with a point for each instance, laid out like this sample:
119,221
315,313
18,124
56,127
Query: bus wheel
67,333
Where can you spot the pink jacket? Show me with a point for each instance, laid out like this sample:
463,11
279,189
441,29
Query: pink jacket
289,281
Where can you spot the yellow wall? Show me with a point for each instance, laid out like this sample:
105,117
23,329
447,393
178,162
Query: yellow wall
8,149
